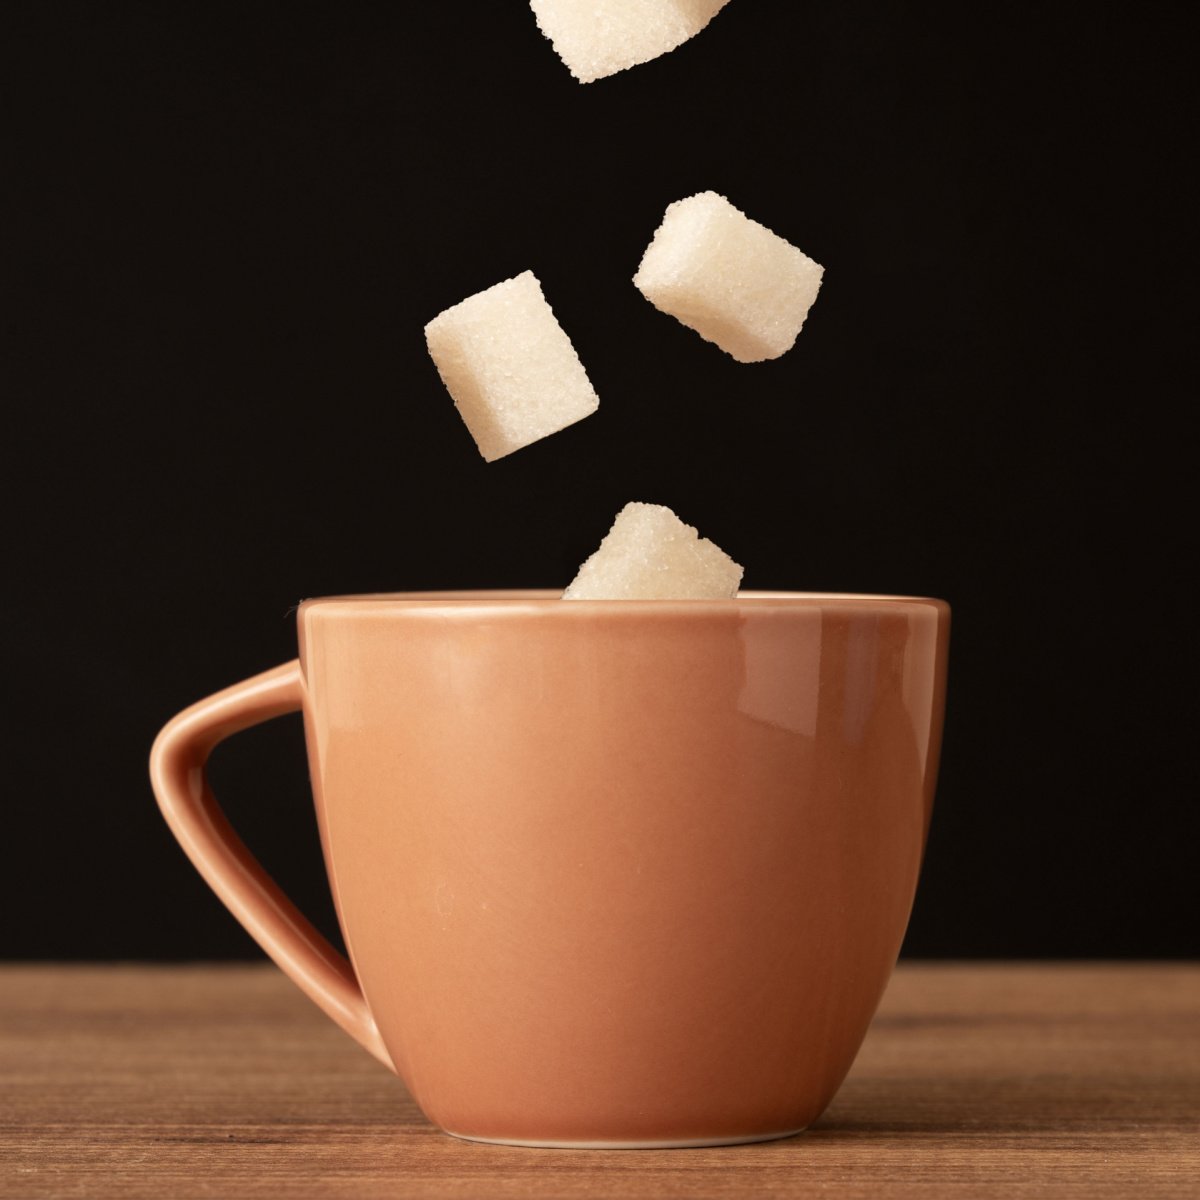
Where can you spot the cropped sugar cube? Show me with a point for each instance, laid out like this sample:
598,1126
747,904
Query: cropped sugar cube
650,554
596,38
509,366
729,278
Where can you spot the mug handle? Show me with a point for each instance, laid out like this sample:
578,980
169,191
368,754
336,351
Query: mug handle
180,782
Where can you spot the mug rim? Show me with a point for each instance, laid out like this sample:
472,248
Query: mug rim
543,600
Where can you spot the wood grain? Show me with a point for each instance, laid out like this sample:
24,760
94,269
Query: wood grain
976,1080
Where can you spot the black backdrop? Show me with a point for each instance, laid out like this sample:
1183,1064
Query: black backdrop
230,226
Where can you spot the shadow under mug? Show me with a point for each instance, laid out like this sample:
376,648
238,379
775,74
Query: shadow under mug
610,873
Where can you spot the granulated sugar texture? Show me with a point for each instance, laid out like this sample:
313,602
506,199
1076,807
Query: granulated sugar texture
650,554
729,278
596,38
512,371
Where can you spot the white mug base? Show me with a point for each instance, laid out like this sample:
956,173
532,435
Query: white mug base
668,1144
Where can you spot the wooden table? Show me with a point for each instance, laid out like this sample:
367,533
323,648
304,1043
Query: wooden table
976,1080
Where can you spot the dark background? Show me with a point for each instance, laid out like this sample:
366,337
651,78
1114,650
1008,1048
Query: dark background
229,227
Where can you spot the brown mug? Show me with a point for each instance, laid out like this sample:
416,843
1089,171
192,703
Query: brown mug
610,873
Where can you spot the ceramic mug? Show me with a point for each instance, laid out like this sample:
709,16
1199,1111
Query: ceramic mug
610,873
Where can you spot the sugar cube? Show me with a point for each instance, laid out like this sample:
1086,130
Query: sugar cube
650,554
509,366
729,278
601,37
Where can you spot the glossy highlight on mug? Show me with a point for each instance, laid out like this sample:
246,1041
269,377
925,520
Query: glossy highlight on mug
619,873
